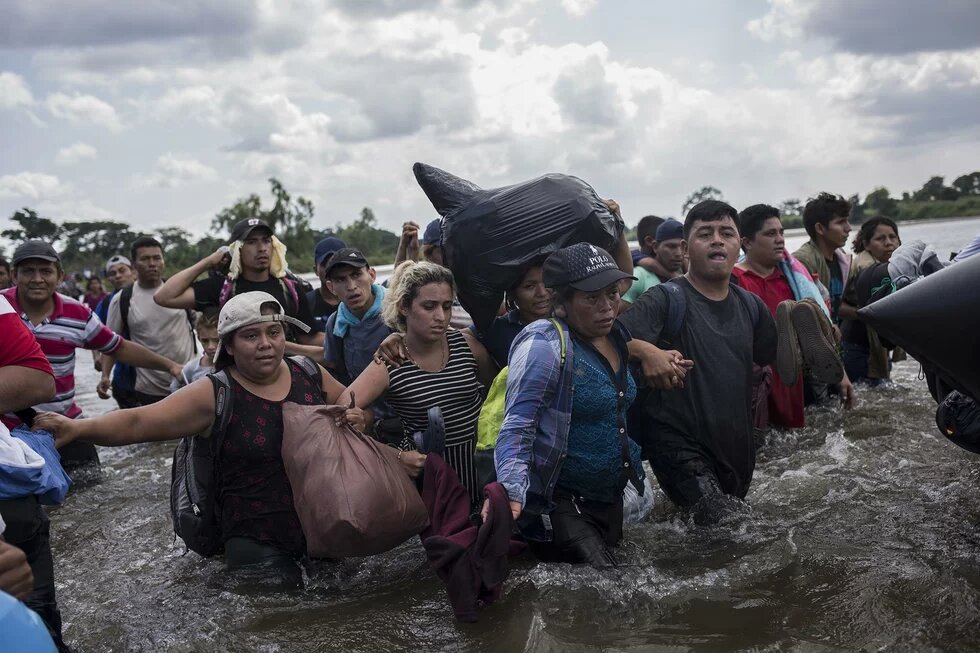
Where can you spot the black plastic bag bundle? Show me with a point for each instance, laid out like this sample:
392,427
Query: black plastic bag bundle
935,320
490,237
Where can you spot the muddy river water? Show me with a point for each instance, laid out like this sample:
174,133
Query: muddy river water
860,533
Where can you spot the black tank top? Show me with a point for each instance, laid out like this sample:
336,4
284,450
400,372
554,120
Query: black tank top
255,498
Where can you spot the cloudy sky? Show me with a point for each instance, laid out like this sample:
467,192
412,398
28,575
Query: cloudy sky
161,112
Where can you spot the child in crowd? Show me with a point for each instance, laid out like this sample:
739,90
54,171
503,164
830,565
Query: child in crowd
207,332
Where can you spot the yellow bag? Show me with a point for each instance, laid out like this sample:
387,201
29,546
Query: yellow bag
492,412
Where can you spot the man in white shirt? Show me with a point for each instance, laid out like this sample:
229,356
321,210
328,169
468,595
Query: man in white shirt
134,314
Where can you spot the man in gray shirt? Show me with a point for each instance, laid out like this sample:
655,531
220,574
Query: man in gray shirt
134,314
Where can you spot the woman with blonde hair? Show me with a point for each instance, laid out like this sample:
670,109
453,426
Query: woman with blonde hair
446,369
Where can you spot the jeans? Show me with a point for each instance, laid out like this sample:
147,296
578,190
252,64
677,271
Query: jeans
28,528
855,359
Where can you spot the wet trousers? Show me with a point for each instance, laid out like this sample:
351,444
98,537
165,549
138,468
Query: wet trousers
242,552
582,531
28,528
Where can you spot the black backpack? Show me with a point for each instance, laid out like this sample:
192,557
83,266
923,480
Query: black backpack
194,473
126,298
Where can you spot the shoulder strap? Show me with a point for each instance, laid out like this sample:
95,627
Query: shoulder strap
125,298
289,286
227,292
222,409
676,315
190,325
748,299
561,339
309,367
339,362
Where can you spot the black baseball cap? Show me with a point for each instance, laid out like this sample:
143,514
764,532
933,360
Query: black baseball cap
241,230
35,249
583,267
346,256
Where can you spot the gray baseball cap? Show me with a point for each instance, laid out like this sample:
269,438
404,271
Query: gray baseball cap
246,309
35,249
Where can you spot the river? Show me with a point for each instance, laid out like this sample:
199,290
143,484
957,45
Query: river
861,534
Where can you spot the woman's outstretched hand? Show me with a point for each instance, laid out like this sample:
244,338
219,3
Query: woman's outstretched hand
62,428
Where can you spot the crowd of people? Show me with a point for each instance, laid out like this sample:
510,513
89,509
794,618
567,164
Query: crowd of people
676,357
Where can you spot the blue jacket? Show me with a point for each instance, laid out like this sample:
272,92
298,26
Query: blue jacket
533,439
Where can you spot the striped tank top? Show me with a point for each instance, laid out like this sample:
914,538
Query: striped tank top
456,390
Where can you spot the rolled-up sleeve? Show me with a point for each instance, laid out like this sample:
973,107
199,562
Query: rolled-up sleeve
532,379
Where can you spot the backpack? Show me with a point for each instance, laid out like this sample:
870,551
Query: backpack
339,371
492,412
669,338
126,298
194,472
677,312
290,286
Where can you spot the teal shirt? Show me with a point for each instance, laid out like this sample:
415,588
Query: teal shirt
644,281
593,468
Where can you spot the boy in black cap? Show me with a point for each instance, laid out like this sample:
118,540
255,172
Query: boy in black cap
258,263
355,331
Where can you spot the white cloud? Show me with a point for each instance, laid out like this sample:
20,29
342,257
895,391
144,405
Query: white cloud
173,171
74,153
578,7
14,91
30,185
81,109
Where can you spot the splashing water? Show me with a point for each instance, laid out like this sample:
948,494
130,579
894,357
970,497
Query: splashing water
859,532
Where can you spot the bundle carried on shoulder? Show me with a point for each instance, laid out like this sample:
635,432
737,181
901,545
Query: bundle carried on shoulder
490,237
351,493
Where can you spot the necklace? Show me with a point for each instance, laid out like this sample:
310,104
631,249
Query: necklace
443,351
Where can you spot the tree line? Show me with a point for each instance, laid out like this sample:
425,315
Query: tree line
88,244
933,200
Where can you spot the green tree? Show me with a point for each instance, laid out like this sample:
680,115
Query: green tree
705,193
290,219
791,207
32,226
378,245
935,190
968,184
90,243
880,202
857,209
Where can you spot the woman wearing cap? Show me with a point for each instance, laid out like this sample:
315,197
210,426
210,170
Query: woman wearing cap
258,522
447,369
563,449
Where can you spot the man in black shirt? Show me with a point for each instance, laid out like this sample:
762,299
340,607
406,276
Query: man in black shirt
258,264
695,423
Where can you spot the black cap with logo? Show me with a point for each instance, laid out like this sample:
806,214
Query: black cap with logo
583,267
346,256
242,229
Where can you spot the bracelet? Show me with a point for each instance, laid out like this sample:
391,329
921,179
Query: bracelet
399,454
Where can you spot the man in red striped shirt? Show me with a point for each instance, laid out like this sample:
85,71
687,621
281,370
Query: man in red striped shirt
61,325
